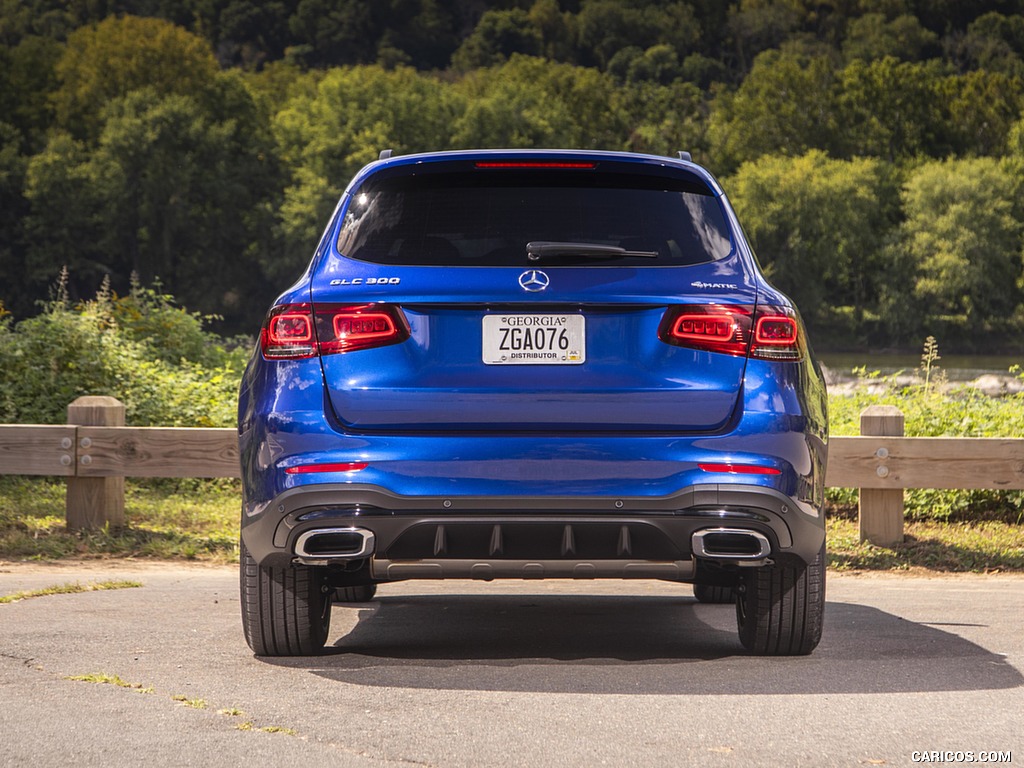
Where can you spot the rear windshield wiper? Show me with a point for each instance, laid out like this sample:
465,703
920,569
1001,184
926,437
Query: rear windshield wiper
546,249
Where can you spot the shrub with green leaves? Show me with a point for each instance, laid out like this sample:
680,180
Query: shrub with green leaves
154,357
948,412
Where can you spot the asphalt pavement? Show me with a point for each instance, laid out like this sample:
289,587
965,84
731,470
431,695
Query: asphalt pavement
515,673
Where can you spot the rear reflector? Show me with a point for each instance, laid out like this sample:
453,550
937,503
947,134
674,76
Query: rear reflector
296,331
305,469
740,469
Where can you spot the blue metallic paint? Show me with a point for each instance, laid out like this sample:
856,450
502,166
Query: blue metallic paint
287,416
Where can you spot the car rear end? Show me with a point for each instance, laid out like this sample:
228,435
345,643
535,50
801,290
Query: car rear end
532,365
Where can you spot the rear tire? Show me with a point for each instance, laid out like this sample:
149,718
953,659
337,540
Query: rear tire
709,593
780,608
285,611
361,594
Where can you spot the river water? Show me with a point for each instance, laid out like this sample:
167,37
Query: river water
956,367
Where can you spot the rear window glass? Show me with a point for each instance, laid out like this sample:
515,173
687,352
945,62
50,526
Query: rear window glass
487,217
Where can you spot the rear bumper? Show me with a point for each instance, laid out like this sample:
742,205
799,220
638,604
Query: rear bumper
402,537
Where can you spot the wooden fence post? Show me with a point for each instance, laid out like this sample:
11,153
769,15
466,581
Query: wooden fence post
881,509
94,502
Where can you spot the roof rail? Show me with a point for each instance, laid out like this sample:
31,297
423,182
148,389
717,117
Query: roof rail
685,156
385,154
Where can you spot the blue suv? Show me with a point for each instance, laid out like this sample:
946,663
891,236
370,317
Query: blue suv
532,364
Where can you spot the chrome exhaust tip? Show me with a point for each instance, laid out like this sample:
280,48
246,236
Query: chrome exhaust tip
335,544
731,544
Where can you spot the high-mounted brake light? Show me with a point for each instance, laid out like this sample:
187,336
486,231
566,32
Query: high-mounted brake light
297,331
767,333
535,164
306,469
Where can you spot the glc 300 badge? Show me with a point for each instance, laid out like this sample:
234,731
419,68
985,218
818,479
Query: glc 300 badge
367,281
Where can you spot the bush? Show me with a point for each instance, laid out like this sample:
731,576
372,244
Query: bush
154,357
951,412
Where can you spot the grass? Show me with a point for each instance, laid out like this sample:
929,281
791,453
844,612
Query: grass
104,679
248,726
101,678
69,589
190,703
167,520
986,546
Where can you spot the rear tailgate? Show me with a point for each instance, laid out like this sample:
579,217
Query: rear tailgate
621,377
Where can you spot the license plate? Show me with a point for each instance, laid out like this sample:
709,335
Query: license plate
534,339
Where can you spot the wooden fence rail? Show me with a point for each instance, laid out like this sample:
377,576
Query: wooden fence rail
880,465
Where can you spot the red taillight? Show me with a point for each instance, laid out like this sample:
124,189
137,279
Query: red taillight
776,336
305,469
295,331
769,333
710,327
288,333
740,469
344,329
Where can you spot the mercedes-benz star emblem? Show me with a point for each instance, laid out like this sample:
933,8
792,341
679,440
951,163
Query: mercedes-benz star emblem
534,280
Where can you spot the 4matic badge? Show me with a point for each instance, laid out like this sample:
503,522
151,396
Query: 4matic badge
699,284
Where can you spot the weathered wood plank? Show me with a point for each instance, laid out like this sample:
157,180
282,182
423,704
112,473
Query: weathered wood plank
157,452
913,462
926,462
93,503
37,449
880,510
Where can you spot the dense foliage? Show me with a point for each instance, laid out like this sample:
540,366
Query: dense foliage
140,348
934,411
875,148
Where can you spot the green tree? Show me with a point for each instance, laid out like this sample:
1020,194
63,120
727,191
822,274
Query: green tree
664,119
819,227
892,109
64,222
963,236
529,102
757,25
605,27
335,31
120,55
982,107
784,106
497,36
872,36
557,30
12,210
171,191
27,81
326,135
658,64
993,42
